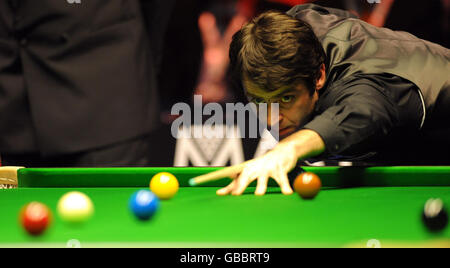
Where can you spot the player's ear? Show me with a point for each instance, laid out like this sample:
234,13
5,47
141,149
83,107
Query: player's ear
322,78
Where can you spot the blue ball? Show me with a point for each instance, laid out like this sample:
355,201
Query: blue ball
144,204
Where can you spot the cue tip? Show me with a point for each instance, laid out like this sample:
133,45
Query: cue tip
192,182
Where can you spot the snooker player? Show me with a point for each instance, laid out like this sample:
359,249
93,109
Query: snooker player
346,89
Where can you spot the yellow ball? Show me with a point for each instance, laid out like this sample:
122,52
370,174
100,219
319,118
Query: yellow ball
75,207
164,185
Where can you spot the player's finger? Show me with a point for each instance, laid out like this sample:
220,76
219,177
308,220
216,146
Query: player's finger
261,187
242,183
227,190
283,181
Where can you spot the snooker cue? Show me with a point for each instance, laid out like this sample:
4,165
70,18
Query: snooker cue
219,174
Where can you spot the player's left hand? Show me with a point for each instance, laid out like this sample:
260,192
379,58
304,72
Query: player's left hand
275,164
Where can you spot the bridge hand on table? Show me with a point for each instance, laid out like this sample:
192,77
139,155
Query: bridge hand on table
275,164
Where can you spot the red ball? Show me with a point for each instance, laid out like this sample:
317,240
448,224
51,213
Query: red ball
35,218
307,185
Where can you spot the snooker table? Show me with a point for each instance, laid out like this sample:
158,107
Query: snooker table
357,207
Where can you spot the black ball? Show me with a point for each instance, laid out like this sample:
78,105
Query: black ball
435,216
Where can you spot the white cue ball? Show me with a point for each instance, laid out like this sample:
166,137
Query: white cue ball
75,207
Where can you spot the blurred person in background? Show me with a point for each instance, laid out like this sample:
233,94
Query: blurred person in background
78,81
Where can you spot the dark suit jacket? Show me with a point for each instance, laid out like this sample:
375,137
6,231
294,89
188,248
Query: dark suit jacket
74,77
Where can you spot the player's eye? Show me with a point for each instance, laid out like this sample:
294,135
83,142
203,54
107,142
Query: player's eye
258,100
287,98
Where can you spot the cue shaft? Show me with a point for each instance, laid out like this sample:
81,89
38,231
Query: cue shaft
219,174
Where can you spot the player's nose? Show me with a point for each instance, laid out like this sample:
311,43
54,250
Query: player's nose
273,117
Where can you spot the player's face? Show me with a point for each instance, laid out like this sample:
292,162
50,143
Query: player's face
296,105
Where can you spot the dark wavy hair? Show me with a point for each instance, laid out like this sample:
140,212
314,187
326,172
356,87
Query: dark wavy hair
275,50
